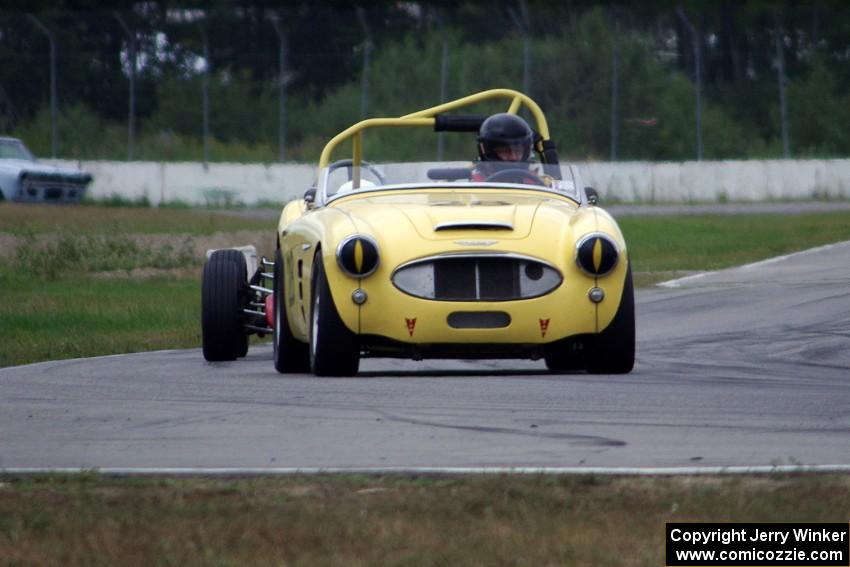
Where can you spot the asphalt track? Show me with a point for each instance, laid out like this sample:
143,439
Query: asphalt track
739,368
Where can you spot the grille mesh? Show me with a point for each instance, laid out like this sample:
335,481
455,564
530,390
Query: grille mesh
476,278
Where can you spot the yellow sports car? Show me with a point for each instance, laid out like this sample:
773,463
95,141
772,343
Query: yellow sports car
504,257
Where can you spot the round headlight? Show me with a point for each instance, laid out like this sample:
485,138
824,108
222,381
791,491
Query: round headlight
597,254
357,255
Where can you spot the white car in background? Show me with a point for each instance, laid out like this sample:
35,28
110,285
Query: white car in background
23,179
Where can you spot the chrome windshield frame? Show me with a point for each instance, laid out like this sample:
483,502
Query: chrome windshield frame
577,199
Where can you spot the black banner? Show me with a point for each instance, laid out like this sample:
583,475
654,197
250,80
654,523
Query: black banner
758,545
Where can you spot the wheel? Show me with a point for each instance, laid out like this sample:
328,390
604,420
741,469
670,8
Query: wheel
613,350
242,347
515,175
223,297
565,355
290,354
334,350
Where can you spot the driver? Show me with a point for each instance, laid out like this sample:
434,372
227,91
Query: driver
502,138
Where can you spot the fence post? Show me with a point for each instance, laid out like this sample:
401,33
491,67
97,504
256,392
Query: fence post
54,133
367,48
697,76
521,22
205,95
131,119
444,77
282,80
615,94
783,100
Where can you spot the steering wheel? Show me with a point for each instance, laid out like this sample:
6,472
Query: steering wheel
515,175
349,163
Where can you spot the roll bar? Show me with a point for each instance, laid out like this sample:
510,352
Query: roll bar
432,117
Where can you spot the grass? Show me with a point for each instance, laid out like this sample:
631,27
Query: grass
79,316
351,520
65,252
93,280
23,219
663,247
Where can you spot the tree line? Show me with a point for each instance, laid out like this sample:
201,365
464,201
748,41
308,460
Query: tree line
618,80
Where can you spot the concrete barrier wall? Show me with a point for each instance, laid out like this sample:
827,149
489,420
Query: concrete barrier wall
190,182
629,182
720,180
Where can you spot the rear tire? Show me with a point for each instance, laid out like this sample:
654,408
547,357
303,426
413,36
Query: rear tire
243,347
334,350
613,350
223,297
290,354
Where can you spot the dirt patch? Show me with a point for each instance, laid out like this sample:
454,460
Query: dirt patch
149,273
8,245
187,250
262,240
456,520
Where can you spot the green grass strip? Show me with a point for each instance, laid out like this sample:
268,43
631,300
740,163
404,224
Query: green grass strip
81,316
663,247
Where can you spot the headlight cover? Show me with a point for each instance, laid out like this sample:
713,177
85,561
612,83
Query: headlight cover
357,255
597,254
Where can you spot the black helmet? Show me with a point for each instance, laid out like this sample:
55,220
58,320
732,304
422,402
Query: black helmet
501,130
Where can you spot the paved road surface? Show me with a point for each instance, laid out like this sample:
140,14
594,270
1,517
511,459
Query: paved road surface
749,366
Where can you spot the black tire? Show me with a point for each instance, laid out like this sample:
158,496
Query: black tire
613,350
242,347
223,297
565,356
290,354
334,350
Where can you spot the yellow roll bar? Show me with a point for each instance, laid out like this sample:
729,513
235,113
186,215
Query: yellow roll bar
426,118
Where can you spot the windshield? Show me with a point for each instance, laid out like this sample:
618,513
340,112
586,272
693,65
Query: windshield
341,178
14,149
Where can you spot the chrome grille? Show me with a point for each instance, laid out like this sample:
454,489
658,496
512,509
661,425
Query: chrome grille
484,277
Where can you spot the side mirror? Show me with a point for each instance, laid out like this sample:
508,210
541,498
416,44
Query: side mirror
310,195
592,195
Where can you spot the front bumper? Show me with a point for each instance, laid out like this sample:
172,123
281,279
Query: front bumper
52,189
400,318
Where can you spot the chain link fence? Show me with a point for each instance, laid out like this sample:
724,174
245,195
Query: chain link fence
167,83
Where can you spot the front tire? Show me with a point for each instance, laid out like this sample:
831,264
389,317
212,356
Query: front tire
565,356
290,354
334,349
613,350
223,297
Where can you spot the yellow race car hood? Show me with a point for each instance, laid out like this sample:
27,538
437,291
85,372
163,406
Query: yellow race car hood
442,215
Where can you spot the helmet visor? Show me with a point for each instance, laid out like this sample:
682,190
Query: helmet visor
510,152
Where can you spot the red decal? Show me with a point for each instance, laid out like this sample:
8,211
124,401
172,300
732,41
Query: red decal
544,326
411,325
270,311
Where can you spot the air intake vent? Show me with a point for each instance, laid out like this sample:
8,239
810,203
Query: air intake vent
477,277
478,320
473,225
